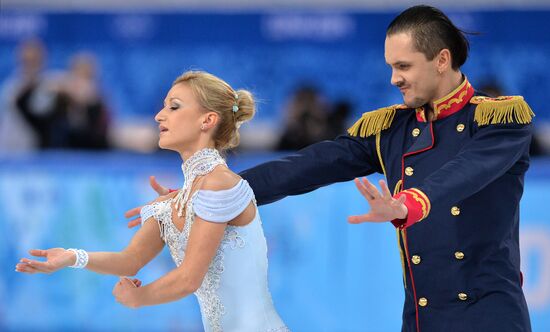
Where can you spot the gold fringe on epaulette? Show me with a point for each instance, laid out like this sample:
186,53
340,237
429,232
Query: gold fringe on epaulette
373,122
502,111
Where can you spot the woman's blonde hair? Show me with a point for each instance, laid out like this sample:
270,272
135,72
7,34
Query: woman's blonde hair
232,106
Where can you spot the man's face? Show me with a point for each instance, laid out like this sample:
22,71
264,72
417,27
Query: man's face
415,76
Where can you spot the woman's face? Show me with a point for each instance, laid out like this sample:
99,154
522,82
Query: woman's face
180,119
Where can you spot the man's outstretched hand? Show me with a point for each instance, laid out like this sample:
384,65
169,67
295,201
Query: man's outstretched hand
135,211
383,207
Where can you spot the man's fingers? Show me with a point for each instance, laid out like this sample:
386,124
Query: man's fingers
360,219
402,199
386,194
361,187
371,189
133,212
157,187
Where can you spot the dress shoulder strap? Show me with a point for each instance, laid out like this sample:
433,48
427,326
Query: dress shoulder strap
223,205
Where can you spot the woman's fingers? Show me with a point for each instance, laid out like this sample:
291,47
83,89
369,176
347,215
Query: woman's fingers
135,222
26,268
38,253
40,266
157,187
132,212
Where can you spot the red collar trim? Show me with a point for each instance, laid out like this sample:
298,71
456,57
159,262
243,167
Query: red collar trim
451,103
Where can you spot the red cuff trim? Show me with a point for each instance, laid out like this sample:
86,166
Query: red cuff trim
171,190
418,206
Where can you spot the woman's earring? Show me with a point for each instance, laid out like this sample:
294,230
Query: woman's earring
203,127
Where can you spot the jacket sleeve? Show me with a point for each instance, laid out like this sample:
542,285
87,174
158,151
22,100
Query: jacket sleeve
317,165
493,151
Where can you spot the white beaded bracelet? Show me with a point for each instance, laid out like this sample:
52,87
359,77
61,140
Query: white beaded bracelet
81,258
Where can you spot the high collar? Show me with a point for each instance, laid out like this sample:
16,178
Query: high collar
451,103
200,163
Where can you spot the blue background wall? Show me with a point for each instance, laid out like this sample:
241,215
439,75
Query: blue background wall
271,53
325,275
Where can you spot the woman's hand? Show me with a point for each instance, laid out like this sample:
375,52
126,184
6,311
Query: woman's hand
162,191
126,292
56,259
383,206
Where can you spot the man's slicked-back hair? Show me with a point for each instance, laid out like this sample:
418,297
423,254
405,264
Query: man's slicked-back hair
432,31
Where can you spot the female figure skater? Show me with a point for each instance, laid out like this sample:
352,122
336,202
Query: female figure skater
211,226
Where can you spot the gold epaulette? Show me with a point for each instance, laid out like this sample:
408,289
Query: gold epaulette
501,110
373,122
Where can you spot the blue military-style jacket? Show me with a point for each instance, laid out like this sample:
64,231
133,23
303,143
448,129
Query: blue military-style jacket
462,174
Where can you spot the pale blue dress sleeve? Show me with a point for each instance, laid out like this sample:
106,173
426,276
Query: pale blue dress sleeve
222,206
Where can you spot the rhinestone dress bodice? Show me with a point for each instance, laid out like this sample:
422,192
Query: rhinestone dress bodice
233,295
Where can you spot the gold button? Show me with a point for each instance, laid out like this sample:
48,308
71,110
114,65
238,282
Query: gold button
455,211
460,128
422,301
459,255
415,132
409,171
415,259
462,296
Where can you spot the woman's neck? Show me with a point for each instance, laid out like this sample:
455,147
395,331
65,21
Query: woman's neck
188,152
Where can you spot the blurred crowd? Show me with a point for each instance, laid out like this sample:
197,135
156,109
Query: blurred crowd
311,117
65,109
47,110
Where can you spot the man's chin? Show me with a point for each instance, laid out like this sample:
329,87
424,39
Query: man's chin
413,103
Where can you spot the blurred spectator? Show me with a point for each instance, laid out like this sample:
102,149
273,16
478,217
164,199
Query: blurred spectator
337,122
493,89
87,118
28,102
306,123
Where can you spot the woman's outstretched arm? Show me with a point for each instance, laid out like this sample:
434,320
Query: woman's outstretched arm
143,247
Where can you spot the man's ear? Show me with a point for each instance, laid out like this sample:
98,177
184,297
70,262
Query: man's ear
444,61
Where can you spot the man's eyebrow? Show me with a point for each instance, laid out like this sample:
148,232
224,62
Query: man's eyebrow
397,63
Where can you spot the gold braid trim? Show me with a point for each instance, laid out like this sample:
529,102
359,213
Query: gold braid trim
374,122
379,153
421,197
501,110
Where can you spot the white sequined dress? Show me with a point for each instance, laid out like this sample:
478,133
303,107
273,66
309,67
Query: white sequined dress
234,295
